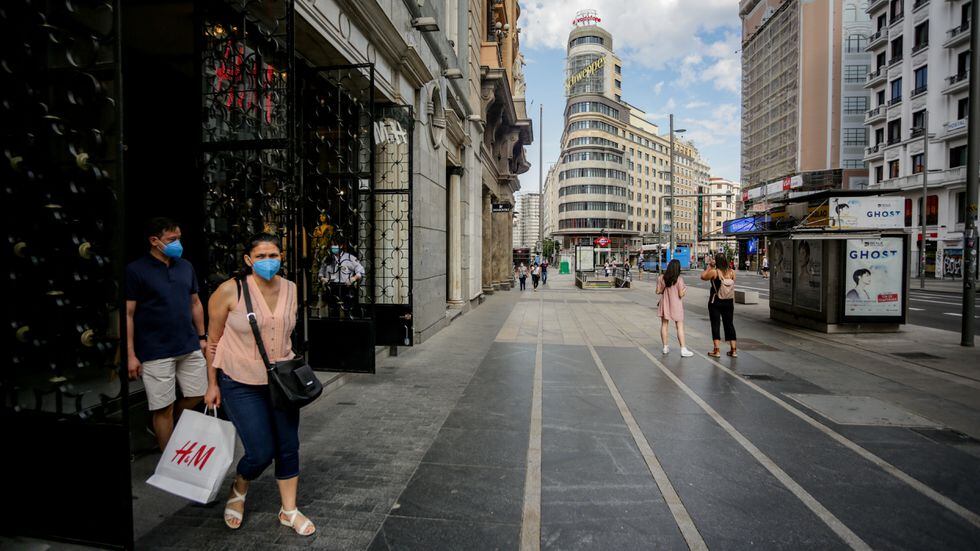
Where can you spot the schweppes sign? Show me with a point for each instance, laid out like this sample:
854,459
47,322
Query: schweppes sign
588,71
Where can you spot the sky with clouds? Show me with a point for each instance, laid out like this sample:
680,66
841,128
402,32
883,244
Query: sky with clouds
679,56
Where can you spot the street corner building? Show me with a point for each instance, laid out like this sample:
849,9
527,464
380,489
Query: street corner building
395,129
612,177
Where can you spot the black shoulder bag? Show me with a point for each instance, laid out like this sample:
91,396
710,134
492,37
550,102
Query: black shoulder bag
292,383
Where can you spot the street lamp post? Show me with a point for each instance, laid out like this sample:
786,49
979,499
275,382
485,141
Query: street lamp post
670,185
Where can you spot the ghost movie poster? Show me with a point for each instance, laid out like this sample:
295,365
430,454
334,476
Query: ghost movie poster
808,283
873,278
781,271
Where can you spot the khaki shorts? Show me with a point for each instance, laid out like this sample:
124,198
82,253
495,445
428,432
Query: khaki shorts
190,370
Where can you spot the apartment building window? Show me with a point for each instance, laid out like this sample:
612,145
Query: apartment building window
921,82
881,60
879,173
855,105
619,98
855,136
963,108
918,119
853,164
881,97
855,73
882,21
586,40
963,63
896,90
897,9
957,156
961,207
965,15
893,169
896,49
917,163
619,84
895,131
619,69
856,43
921,36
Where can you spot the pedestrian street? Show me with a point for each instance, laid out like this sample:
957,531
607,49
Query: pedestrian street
552,420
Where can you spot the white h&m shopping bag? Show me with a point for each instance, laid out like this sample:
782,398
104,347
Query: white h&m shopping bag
197,457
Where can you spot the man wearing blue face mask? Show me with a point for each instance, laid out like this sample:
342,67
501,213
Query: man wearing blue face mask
165,327
340,273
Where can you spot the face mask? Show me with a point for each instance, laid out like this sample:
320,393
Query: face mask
266,268
173,250
335,249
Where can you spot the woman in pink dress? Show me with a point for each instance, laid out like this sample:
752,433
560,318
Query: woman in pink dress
671,288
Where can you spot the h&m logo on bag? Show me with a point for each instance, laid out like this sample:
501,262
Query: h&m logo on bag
200,457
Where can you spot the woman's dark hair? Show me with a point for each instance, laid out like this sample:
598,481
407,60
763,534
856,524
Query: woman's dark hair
260,238
721,262
672,273
858,274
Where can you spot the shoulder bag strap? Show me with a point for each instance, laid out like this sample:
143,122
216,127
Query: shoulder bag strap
252,321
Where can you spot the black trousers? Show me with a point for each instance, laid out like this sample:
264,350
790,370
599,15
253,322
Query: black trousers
534,280
722,311
523,282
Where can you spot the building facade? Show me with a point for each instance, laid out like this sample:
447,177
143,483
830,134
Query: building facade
614,164
802,94
918,119
720,210
526,221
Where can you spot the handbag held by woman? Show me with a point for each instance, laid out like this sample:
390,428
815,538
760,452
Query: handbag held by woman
292,383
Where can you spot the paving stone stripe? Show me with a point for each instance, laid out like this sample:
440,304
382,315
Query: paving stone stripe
531,520
677,509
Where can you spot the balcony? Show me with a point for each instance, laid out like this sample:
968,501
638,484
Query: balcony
920,90
893,140
953,129
918,4
896,20
874,115
957,82
936,178
873,5
919,47
894,61
916,132
873,152
879,38
894,101
876,77
957,35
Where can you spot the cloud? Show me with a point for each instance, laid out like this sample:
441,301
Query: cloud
722,126
657,88
696,104
699,43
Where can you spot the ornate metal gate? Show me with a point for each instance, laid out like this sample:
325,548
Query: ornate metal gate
64,393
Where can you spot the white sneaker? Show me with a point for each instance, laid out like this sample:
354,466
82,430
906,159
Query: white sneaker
685,353
666,350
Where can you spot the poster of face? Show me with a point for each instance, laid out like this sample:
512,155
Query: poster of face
808,284
873,278
781,271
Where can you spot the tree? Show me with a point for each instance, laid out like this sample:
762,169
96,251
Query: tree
549,245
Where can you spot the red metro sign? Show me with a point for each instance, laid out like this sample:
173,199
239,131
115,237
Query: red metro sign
602,241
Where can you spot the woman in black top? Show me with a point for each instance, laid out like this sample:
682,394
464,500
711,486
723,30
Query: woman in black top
720,310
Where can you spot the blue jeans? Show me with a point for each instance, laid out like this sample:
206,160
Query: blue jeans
267,433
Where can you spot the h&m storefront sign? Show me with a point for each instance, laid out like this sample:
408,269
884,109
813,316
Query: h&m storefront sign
867,212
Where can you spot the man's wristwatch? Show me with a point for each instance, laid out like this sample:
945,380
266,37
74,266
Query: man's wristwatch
203,337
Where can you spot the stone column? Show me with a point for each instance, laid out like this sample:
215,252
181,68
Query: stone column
501,250
455,298
487,277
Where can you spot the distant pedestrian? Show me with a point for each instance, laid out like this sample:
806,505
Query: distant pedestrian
721,303
165,329
606,268
671,288
747,264
765,267
544,272
535,276
521,273
238,381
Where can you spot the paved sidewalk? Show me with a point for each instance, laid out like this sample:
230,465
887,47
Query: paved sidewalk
552,420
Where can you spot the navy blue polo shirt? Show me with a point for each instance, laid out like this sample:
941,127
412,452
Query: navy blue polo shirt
162,324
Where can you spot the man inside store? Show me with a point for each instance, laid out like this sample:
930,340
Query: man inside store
340,273
165,328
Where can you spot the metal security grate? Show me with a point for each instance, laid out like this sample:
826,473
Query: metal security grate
917,356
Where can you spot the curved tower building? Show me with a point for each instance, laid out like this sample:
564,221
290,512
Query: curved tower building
614,164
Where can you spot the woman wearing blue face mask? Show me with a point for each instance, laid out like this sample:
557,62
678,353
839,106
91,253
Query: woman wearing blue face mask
238,381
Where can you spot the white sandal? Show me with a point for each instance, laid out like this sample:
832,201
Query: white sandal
292,522
229,512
